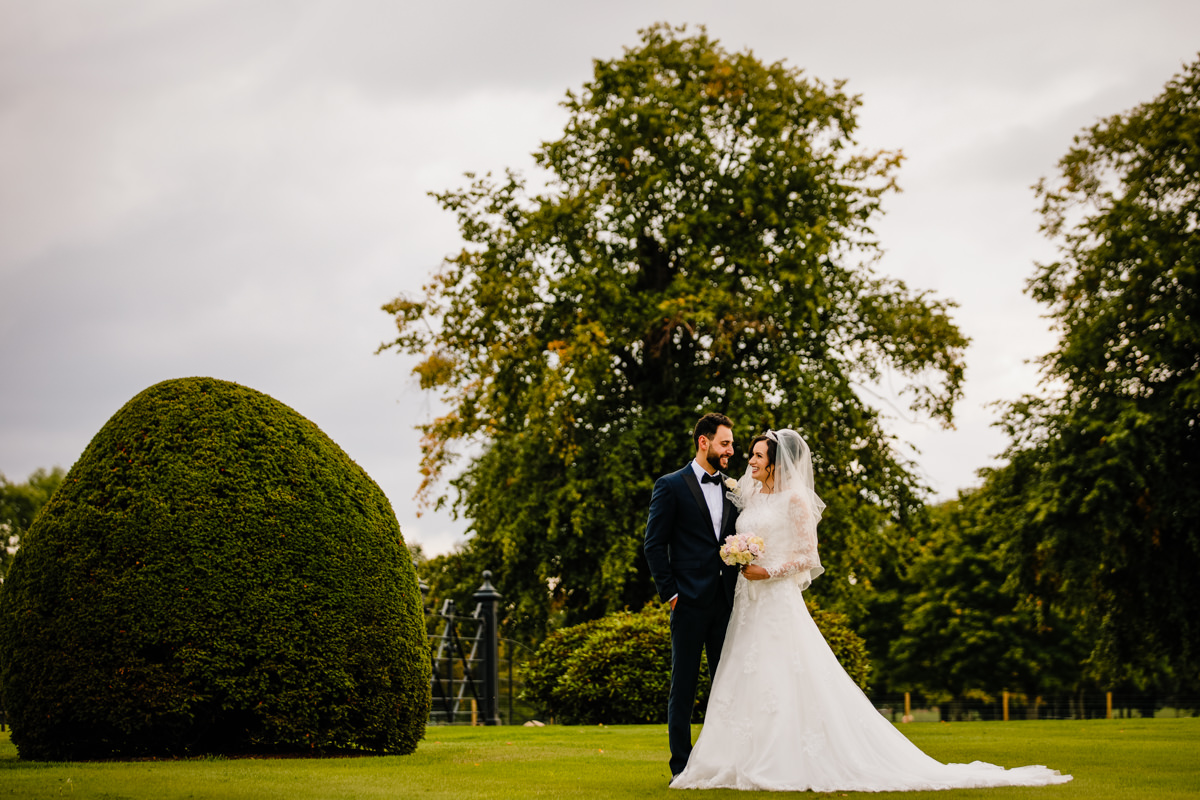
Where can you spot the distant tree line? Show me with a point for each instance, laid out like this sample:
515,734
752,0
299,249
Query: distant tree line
19,505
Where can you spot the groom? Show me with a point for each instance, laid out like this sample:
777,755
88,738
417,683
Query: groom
689,518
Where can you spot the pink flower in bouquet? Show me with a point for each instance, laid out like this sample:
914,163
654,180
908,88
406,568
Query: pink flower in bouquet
741,549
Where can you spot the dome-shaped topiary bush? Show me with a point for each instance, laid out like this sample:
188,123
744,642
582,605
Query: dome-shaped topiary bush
214,575
617,669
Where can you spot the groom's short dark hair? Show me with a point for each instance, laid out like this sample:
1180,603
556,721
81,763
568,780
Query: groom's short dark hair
707,426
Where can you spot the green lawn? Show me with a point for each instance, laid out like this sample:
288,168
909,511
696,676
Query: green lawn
1142,758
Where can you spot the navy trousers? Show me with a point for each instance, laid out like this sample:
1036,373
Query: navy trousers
694,629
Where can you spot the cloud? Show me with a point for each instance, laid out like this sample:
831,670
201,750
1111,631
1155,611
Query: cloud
229,189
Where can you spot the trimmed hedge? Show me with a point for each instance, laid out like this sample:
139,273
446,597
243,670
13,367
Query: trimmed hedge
214,575
617,670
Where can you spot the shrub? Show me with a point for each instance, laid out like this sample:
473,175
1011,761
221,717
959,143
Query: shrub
617,669
613,670
848,646
214,575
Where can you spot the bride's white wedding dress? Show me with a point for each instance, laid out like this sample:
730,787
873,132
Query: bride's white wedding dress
783,715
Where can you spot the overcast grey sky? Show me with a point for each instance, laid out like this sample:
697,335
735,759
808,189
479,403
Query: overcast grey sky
200,187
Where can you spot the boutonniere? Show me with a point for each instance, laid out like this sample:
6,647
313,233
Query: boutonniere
734,493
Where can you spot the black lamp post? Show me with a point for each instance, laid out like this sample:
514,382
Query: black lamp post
488,597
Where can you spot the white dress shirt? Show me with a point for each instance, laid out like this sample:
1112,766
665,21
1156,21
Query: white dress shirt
714,495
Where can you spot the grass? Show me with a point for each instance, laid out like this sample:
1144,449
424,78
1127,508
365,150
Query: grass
1142,758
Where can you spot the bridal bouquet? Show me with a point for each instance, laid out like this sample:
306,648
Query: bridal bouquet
741,549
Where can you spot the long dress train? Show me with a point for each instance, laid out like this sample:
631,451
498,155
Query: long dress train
783,715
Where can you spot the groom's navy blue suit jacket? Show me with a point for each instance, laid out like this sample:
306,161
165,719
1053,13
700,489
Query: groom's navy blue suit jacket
682,551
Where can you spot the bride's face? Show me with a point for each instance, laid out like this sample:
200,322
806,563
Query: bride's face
760,465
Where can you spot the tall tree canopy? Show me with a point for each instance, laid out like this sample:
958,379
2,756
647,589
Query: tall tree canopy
1108,466
703,243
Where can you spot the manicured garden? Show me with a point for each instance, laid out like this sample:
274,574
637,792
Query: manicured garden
1151,758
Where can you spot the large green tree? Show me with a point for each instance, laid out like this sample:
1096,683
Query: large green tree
703,242
1107,463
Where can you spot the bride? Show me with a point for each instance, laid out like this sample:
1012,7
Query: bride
782,714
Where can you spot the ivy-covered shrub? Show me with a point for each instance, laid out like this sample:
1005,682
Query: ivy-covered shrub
617,669
214,575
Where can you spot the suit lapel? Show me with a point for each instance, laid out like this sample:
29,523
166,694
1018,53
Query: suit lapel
689,477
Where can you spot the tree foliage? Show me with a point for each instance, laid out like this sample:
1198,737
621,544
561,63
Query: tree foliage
1107,466
19,506
703,243
960,630
214,575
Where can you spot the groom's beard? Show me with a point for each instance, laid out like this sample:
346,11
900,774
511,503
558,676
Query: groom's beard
715,460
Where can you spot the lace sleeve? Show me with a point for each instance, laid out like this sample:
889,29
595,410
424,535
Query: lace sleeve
802,543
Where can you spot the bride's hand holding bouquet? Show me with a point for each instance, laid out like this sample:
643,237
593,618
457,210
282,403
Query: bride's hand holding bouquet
753,572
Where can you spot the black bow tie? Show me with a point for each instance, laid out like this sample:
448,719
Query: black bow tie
706,478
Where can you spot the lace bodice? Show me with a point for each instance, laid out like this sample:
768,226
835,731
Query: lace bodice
788,528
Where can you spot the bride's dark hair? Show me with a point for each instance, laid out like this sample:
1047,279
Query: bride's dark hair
771,447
